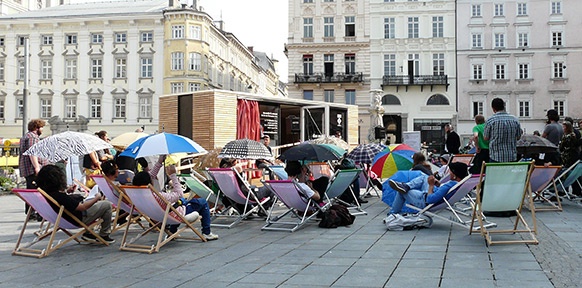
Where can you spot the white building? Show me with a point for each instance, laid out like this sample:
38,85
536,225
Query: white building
525,52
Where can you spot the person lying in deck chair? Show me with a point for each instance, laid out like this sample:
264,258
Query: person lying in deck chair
294,170
424,190
191,209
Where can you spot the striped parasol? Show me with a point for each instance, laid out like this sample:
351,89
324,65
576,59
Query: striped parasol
61,146
365,153
246,149
393,158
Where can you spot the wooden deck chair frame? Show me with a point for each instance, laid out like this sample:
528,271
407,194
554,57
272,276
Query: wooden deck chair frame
300,208
340,182
505,189
569,177
153,205
39,201
541,178
278,171
456,193
226,179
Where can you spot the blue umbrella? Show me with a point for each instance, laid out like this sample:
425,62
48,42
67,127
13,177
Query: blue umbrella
161,144
388,194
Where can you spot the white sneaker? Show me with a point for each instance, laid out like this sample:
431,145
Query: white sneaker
389,218
192,217
210,237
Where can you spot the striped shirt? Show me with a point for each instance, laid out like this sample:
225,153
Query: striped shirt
503,131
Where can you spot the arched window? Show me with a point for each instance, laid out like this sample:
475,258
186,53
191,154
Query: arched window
389,99
437,99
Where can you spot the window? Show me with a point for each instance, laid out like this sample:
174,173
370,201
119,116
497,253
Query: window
146,67
47,39
120,67
71,39
145,107
45,108
524,108
500,71
2,41
46,69
437,99
477,72
195,63
412,27
22,40
307,1
21,70
415,59
308,94
438,26
390,99
328,96
390,64
120,37
389,32
95,107
308,64
2,108
350,60
523,71
327,26
119,107
177,87
70,68
96,68
177,31
350,26
521,9
147,36
1,71
328,0
556,38
523,39
19,108
96,38
177,60
560,106
477,108
476,40
307,27
192,87
438,64
558,69
351,97
328,65
499,40
476,10
498,11
195,32
388,0
70,107
556,7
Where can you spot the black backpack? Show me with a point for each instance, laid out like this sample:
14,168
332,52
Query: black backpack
337,215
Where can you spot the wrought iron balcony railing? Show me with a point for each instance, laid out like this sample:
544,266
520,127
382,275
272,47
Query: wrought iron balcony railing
416,80
329,78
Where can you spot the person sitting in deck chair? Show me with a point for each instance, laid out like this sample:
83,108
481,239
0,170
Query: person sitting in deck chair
424,190
294,170
191,209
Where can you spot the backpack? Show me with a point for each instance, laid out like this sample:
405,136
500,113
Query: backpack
398,222
337,215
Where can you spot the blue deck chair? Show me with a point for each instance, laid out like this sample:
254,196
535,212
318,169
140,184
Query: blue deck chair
341,181
570,176
504,189
541,178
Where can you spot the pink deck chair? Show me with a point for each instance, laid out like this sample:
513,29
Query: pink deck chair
150,203
542,178
39,201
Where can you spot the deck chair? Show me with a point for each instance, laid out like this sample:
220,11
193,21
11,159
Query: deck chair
39,201
339,182
569,177
365,181
319,169
300,208
278,171
541,178
456,194
151,204
227,180
504,189
198,188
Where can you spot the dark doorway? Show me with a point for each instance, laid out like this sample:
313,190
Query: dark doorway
393,125
410,72
185,117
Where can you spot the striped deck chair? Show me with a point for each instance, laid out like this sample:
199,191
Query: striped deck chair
226,179
151,204
339,182
455,194
504,189
278,171
300,208
541,178
39,201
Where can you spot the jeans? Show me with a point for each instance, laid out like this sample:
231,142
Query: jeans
413,196
419,183
201,206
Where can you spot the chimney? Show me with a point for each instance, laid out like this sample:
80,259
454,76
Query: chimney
250,48
171,4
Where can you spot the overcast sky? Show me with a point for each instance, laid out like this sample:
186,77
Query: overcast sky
262,24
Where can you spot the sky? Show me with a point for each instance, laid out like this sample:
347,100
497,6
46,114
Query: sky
262,24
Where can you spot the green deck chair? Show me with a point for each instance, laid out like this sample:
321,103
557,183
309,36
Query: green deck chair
339,182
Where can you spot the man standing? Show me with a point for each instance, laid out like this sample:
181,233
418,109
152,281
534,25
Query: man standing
30,165
452,140
553,132
502,130
481,145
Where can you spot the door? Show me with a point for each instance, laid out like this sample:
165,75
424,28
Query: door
314,121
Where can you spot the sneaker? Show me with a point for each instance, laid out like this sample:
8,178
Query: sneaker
399,186
108,239
192,217
88,237
211,236
389,218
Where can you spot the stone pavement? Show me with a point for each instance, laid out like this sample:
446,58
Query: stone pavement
362,255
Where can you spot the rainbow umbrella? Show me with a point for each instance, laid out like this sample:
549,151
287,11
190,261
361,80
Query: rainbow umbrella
393,158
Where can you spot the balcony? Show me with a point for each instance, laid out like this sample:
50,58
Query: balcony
329,78
416,80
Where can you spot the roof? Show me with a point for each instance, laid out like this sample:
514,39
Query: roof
111,7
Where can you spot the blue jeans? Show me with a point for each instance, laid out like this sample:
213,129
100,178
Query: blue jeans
419,183
201,206
413,196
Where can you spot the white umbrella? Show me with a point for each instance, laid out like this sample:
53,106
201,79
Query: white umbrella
123,140
61,146
161,144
